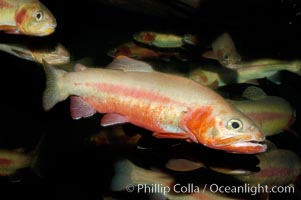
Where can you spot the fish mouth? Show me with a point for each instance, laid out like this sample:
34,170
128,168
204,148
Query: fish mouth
251,143
247,147
46,30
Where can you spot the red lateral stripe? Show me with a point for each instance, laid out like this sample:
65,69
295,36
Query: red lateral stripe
266,116
148,37
5,162
135,93
275,171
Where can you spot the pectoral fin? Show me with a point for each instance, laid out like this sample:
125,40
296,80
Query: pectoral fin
210,55
23,54
113,119
79,108
13,31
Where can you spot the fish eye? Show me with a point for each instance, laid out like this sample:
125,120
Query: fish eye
38,15
235,124
226,57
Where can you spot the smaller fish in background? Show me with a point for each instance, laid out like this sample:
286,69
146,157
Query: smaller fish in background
129,174
113,136
271,113
280,167
224,51
275,167
164,40
26,17
13,160
56,54
214,76
132,50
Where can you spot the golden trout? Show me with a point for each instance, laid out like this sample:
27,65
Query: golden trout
215,76
277,167
224,50
164,40
161,185
54,55
27,17
132,50
271,113
171,106
13,160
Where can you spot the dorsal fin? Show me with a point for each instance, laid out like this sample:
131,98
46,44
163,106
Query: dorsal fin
129,65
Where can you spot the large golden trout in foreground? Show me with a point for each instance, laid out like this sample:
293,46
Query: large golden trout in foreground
171,106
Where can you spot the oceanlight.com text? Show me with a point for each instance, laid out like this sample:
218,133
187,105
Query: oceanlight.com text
213,188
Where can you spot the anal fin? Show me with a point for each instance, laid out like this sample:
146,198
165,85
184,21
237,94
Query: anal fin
79,108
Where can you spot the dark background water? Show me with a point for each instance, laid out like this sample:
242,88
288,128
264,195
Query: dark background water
260,29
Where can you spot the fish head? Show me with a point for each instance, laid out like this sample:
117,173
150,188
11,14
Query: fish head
33,18
227,130
228,57
238,134
145,37
56,55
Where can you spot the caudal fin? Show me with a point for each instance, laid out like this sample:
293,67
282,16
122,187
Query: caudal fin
52,94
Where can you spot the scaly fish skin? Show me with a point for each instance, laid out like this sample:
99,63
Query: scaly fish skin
171,106
27,17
